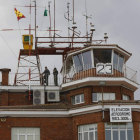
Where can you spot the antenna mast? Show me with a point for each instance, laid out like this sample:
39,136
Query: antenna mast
86,19
35,24
30,53
54,20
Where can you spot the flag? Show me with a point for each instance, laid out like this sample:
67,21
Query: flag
45,12
19,15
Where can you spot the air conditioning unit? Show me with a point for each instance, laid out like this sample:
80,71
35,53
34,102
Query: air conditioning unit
53,96
38,97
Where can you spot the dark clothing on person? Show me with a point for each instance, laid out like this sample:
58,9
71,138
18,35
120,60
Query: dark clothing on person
55,73
46,76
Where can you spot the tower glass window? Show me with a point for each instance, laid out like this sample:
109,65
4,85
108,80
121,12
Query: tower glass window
102,56
87,60
78,62
118,61
118,131
87,132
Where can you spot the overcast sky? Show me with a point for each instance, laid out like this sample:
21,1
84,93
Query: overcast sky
119,18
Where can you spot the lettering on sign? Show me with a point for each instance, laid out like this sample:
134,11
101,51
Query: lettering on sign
104,68
120,114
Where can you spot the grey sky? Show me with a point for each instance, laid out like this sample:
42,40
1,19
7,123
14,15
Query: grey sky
119,18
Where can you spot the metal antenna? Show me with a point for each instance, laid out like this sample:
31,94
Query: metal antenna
35,23
54,20
49,16
87,19
50,19
68,18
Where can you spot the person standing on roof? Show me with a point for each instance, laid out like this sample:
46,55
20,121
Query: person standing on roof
55,73
46,74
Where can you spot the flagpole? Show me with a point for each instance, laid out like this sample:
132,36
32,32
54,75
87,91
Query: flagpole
35,25
50,20
68,21
54,20
30,52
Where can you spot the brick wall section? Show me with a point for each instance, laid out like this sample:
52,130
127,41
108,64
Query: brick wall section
101,131
13,99
4,99
19,99
5,76
136,130
50,128
87,91
62,128
128,93
86,119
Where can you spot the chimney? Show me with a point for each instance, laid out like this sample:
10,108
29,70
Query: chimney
5,76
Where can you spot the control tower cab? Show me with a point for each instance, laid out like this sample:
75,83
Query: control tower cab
98,62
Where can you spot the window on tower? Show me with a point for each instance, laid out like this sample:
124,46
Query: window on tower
118,61
83,61
87,60
102,56
78,62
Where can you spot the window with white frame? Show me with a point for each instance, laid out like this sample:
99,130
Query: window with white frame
102,56
83,61
118,131
126,97
106,96
87,132
77,99
23,133
78,62
118,61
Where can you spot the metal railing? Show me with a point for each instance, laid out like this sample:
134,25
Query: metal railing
35,79
72,74
89,71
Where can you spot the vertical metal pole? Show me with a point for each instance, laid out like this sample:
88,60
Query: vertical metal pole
68,21
102,103
86,20
30,52
54,20
35,25
50,20
49,16
73,11
73,23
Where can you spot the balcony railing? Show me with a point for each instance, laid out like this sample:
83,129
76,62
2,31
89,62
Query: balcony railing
36,79
72,74
88,71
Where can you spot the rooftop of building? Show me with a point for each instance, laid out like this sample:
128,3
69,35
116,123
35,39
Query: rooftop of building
66,106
